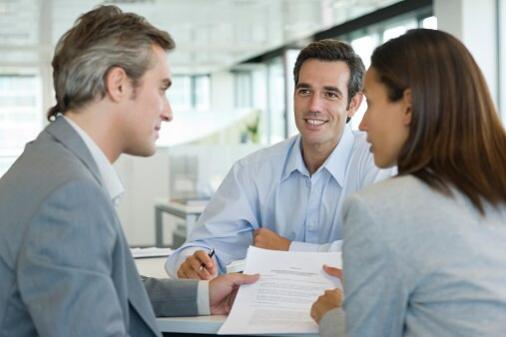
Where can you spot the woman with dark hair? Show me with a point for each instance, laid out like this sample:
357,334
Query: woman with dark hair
424,253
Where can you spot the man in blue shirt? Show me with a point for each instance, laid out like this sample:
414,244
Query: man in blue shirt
289,196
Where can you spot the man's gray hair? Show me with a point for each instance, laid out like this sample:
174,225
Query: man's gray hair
100,40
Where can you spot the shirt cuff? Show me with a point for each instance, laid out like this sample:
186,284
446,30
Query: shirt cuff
203,298
176,259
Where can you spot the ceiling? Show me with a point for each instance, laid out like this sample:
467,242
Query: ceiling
209,34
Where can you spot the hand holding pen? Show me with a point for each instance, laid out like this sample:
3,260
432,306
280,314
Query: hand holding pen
200,265
211,254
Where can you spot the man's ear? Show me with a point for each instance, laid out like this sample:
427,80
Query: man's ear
408,104
117,84
354,104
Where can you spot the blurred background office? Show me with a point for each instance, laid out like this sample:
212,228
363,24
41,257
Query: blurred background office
232,75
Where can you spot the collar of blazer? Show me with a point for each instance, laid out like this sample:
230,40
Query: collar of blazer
63,132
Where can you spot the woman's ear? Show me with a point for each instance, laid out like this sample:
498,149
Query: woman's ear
407,100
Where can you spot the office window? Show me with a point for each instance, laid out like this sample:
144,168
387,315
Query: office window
364,46
290,59
398,29
180,93
201,92
243,89
276,100
429,22
21,117
190,92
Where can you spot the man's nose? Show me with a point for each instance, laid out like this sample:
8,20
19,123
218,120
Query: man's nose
167,112
315,103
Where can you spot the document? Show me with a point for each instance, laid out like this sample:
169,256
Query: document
150,252
280,301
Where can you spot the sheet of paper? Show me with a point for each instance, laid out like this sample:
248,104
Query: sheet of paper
280,301
150,252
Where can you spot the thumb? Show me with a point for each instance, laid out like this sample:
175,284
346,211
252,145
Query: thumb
332,271
238,279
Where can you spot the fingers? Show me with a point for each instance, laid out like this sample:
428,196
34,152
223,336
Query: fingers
257,235
223,289
197,266
258,238
265,238
330,299
332,271
316,309
238,278
314,312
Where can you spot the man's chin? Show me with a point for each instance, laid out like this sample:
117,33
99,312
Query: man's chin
142,152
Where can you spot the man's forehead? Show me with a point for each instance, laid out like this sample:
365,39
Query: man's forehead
316,66
327,73
161,62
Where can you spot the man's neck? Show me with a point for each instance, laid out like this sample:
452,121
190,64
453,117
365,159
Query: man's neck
99,129
315,155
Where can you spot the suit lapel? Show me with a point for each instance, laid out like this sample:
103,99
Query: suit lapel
137,294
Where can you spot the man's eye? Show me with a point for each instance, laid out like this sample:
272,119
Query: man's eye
331,94
303,92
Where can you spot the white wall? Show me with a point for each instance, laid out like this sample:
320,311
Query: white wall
474,23
145,180
222,91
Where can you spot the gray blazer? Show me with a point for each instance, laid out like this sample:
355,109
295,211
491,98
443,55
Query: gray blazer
420,263
65,266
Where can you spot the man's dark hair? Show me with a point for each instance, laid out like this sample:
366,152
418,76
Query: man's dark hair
333,50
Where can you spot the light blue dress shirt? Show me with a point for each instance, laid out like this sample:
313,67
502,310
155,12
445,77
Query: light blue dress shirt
273,189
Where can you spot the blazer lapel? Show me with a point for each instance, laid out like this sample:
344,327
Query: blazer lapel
137,294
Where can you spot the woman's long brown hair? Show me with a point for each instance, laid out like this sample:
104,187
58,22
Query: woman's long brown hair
456,137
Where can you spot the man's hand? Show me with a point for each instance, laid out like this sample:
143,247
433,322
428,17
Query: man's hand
222,291
198,266
265,238
330,299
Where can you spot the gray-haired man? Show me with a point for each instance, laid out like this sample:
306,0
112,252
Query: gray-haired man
65,266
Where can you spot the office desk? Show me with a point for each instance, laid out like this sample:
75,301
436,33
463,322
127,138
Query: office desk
189,213
152,267
203,325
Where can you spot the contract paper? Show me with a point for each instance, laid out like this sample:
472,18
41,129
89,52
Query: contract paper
280,301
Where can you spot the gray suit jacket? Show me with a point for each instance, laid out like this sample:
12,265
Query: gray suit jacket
420,263
65,266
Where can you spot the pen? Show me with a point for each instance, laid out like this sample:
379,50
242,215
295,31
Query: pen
211,254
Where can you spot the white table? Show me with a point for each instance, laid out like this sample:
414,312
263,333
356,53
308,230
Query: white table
152,267
189,213
207,325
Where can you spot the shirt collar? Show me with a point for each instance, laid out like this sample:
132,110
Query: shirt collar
335,164
294,161
109,176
